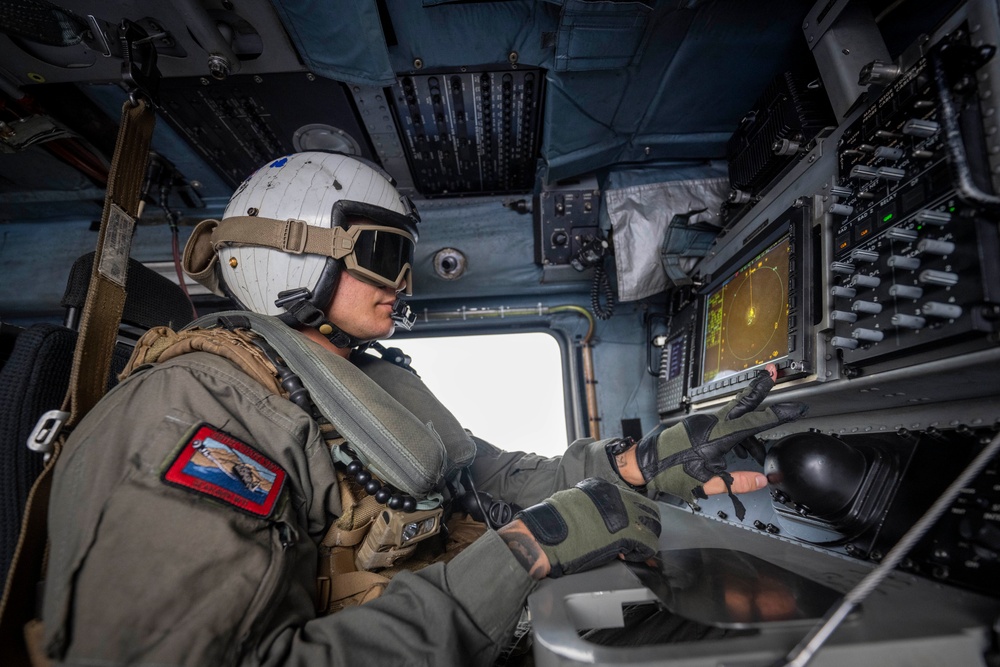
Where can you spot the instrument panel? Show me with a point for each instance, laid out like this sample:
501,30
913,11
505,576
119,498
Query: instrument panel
875,257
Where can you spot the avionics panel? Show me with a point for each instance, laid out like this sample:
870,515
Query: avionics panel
470,132
915,253
755,310
672,381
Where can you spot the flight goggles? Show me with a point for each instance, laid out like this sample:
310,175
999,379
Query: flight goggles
376,254
375,244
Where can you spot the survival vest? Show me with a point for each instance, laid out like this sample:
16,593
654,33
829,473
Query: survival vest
374,417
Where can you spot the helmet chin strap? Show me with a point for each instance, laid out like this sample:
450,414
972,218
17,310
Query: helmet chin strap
296,303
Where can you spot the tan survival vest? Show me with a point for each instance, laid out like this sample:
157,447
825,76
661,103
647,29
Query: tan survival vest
363,534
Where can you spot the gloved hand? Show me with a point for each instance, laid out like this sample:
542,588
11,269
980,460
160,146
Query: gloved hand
591,524
681,458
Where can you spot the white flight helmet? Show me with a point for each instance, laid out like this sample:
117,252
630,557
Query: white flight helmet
292,226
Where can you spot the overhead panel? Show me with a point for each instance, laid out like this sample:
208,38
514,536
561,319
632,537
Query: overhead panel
242,122
470,132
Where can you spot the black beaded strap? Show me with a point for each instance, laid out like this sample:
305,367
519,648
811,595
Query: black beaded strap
383,493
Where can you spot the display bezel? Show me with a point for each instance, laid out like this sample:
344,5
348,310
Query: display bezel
792,224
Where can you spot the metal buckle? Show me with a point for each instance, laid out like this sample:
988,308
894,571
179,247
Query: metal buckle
293,239
46,431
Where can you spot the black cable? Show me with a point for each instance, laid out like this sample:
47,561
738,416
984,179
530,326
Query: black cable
602,286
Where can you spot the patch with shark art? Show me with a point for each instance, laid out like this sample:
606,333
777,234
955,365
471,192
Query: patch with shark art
218,465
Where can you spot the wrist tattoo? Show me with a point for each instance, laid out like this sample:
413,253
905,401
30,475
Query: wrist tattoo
526,551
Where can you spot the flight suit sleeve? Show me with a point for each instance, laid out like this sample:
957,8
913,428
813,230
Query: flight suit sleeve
525,479
462,613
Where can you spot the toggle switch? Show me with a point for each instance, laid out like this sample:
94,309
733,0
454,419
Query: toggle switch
904,263
864,280
864,172
918,127
891,173
872,335
906,291
845,343
870,307
933,277
928,217
945,311
902,234
843,291
864,255
843,316
908,321
889,153
936,247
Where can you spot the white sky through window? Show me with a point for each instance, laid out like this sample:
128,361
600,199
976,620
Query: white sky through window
505,388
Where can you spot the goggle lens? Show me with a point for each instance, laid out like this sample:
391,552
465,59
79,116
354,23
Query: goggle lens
384,253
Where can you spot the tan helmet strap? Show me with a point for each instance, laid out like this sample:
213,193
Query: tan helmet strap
200,261
291,236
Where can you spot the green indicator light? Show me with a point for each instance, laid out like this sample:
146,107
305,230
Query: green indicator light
951,209
887,218
919,227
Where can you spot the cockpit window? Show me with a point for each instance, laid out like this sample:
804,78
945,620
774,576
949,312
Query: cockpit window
505,388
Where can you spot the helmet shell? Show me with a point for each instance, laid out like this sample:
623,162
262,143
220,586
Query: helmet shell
303,186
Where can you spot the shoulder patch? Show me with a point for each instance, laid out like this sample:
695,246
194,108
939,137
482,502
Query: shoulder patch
216,464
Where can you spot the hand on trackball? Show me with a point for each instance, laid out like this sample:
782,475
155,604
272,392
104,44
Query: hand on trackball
679,459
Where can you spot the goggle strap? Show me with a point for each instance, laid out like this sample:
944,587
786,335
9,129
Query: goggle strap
291,236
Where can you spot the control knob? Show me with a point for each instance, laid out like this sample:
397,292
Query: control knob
933,277
906,263
864,280
864,255
889,153
928,217
902,234
873,335
936,247
870,307
891,173
918,127
864,172
945,311
844,343
906,291
908,321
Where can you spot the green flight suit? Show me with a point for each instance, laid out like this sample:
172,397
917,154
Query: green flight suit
143,572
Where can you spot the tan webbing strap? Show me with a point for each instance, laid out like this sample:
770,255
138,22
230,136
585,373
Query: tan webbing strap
99,322
350,589
102,311
294,236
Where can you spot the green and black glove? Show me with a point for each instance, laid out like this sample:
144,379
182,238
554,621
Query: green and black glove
680,459
591,524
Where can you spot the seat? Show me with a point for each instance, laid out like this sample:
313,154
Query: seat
35,376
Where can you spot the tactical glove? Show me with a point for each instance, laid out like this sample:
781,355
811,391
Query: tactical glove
681,458
591,524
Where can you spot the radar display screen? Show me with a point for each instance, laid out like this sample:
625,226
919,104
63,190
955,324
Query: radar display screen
746,319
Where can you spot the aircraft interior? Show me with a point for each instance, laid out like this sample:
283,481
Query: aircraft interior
681,192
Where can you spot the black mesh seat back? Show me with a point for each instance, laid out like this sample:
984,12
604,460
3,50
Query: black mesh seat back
151,300
32,382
